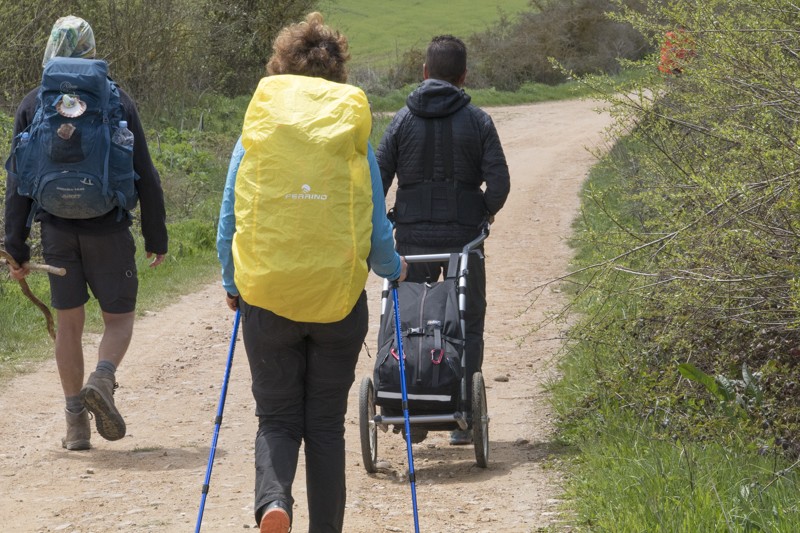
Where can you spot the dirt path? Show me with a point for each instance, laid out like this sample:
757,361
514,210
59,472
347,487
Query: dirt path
170,382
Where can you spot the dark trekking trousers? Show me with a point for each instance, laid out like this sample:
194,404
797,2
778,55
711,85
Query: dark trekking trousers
302,374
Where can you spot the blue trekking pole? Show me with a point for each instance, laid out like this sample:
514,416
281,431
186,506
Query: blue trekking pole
218,420
404,395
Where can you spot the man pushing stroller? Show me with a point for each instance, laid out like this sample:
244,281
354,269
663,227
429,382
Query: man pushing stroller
443,151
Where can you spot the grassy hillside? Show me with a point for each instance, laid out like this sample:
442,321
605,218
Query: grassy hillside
379,32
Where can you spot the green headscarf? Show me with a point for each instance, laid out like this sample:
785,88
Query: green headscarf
70,37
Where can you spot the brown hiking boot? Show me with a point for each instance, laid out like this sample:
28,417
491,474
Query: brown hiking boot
98,397
78,431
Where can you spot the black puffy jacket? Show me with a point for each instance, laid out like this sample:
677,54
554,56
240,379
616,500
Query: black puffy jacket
414,147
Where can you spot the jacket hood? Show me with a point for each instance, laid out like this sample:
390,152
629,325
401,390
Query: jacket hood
436,98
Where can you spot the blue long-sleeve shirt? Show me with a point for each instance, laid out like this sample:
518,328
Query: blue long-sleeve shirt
383,259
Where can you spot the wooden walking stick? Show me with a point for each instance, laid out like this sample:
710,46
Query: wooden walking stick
5,257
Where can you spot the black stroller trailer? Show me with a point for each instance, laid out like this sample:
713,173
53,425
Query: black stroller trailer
433,331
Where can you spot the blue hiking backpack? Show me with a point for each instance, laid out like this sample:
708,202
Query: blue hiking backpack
65,160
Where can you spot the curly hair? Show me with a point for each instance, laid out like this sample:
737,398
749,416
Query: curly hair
310,48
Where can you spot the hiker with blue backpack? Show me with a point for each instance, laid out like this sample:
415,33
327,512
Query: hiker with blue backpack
302,222
79,164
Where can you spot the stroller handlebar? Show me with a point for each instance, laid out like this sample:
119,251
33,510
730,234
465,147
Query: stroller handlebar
479,239
445,256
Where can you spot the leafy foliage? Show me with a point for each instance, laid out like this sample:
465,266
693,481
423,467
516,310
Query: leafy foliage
237,41
547,43
694,272
161,51
195,170
737,397
681,371
577,34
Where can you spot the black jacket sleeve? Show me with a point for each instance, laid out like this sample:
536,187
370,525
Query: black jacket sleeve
494,169
151,195
18,208
387,152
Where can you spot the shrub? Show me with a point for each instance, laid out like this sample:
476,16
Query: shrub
701,265
164,52
577,34
543,45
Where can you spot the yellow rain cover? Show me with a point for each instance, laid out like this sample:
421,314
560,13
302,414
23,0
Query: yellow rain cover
304,199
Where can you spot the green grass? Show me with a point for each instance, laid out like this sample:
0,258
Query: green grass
380,32
191,263
630,478
23,330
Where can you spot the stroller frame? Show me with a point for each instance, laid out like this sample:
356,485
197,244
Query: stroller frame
476,418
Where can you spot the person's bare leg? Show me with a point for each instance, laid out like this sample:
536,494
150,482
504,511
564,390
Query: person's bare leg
69,360
69,349
98,393
116,337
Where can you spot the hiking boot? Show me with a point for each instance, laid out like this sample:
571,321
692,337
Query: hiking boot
98,397
78,431
460,438
275,519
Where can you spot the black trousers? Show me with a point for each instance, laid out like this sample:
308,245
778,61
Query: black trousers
475,312
302,373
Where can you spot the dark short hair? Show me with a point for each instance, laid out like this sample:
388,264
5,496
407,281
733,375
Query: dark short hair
446,58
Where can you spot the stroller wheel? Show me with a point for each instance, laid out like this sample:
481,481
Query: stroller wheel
367,427
480,421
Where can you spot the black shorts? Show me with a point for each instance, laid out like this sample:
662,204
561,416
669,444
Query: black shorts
106,264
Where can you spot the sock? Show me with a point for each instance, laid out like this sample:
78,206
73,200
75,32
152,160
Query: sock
74,404
106,366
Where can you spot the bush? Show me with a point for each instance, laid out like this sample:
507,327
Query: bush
144,43
6,129
700,265
164,52
235,40
192,165
547,44
579,35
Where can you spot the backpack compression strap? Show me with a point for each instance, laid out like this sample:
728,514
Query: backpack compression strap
447,149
